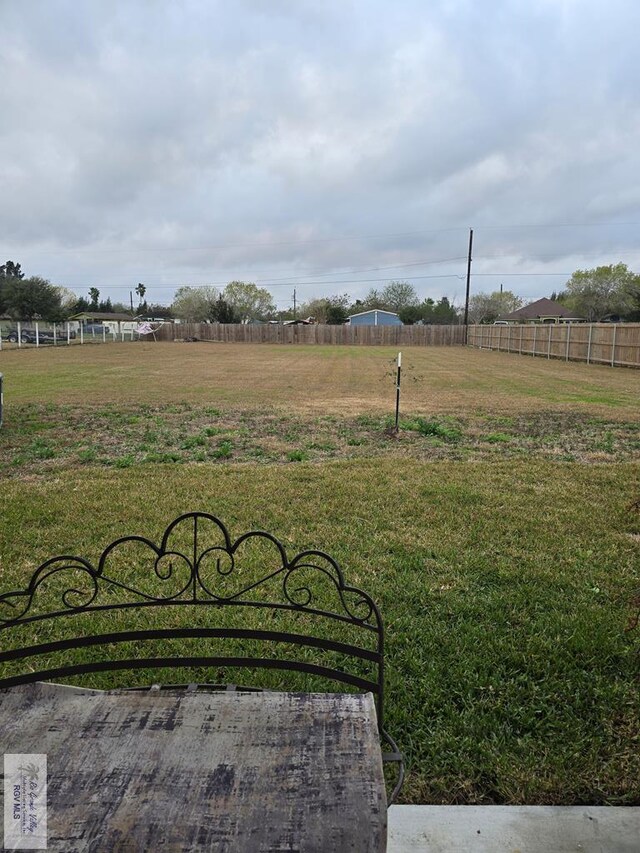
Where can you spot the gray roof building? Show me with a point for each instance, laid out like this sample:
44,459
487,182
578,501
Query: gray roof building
542,311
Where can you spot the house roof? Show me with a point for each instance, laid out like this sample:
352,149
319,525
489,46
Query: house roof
540,308
373,311
101,315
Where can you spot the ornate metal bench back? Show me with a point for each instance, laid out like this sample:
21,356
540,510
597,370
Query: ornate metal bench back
196,566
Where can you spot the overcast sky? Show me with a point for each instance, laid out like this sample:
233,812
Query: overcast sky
333,145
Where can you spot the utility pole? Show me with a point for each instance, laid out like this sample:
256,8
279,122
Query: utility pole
131,300
294,303
466,301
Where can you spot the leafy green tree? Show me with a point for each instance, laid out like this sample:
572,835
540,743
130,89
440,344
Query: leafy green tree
249,301
222,312
195,304
94,295
331,310
372,301
81,305
487,307
398,295
32,299
444,313
430,312
594,294
337,310
9,271
411,314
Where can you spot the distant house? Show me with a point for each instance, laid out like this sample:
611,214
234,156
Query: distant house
541,311
375,317
114,321
101,317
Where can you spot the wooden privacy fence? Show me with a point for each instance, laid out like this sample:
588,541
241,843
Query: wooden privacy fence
617,344
340,335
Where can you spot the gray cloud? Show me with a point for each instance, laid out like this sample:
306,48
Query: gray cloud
199,142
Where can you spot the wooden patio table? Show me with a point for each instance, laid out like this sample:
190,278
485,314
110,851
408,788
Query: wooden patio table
191,770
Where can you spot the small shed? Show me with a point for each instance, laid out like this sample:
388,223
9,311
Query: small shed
375,317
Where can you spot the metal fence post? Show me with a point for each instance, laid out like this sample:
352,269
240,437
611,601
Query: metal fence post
613,347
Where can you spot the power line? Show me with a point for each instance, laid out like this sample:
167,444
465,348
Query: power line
223,284
203,247
267,280
511,274
282,284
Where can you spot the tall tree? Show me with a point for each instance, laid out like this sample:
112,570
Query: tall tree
94,295
445,313
332,310
398,295
195,304
9,271
594,294
80,306
249,301
140,290
33,299
487,307
223,312
371,301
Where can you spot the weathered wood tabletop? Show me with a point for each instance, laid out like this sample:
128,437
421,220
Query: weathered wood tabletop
187,771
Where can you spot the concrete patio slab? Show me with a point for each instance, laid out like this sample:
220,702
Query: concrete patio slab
513,829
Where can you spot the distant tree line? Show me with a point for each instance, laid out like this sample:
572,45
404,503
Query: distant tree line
35,298
397,296
607,293
604,293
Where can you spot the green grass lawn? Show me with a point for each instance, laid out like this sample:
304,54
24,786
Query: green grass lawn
499,546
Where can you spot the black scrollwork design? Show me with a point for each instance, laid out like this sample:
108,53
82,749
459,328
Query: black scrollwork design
355,603
15,605
191,577
198,564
